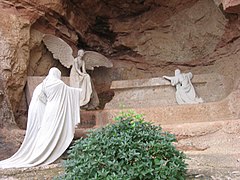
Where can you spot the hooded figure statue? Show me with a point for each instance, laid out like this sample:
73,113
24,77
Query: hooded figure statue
53,113
185,92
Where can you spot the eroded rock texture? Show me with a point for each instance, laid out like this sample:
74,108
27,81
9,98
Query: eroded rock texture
143,39
231,6
14,54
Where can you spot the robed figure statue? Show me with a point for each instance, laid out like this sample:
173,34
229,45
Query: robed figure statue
185,92
53,113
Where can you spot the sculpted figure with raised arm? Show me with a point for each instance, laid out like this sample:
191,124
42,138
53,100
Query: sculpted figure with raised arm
52,116
185,92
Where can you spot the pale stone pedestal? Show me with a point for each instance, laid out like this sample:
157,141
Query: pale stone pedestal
221,102
155,92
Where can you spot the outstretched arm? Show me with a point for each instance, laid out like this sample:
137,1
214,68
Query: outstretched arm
173,79
168,77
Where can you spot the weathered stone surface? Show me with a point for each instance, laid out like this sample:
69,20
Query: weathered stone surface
6,114
210,146
144,39
140,93
164,42
231,6
10,140
14,53
45,172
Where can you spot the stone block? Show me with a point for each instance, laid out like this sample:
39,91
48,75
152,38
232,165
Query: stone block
153,92
215,89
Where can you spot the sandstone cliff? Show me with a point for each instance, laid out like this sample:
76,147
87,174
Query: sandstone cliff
143,38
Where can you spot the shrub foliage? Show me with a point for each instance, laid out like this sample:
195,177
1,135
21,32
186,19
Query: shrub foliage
129,149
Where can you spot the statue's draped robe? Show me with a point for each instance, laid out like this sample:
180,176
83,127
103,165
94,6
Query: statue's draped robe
185,92
89,98
83,82
50,127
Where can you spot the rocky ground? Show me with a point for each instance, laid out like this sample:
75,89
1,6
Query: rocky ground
215,167
38,173
219,168
213,153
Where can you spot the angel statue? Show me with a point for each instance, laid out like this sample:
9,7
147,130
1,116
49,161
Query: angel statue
85,60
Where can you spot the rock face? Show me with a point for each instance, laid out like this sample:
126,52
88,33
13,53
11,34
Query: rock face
14,55
143,39
231,6
6,114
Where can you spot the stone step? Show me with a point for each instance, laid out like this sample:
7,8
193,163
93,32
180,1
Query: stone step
178,114
81,132
209,144
212,148
207,136
213,167
87,120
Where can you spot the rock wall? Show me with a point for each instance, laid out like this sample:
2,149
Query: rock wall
231,6
143,38
14,53
6,114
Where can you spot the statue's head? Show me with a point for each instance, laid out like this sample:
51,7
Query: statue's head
54,72
80,52
177,72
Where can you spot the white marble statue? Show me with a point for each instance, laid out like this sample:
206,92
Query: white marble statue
78,76
185,92
52,116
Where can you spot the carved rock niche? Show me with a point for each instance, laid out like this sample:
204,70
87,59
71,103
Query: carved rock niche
41,60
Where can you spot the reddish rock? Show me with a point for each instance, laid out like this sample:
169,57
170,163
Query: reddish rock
10,140
231,6
144,39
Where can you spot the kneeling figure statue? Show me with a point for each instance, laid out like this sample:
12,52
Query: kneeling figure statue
52,116
185,92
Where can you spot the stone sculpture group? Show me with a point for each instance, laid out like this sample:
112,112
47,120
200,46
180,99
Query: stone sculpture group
78,75
54,110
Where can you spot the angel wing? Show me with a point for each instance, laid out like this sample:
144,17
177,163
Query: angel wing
94,59
60,49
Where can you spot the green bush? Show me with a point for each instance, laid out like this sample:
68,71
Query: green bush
129,149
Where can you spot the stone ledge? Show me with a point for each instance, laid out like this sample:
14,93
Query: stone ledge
216,111
154,92
151,82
